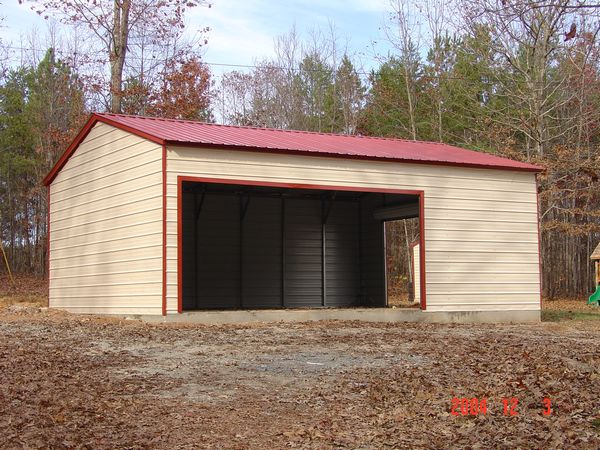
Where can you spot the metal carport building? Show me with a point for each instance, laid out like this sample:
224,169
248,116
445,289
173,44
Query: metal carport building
155,216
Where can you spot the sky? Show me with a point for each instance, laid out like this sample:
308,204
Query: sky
243,31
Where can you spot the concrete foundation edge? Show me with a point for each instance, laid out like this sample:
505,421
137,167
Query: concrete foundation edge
366,315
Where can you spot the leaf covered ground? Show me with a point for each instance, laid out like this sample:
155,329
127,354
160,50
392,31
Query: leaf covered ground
73,381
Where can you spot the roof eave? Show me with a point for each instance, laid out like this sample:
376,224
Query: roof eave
529,168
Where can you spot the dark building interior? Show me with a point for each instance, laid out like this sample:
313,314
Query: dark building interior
247,247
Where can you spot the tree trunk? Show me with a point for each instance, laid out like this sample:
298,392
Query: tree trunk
411,107
118,52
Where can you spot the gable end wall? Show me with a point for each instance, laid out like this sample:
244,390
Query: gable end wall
106,226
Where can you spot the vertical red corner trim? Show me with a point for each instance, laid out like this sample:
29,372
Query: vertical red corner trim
179,243
48,241
537,200
164,230
422,249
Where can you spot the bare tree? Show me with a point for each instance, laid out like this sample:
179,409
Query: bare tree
3,52
115,23
309,85
526,37
234,98
403,33
438,16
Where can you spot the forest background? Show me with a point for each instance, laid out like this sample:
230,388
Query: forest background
517,78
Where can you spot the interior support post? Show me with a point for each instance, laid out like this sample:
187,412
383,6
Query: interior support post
323,265
197,210
283,303
244,201
385,264
326,205
360,253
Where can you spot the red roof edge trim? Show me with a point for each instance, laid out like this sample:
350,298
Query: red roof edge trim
93,120
325,154
69,151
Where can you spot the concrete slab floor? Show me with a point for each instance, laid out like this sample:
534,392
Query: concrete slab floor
361,314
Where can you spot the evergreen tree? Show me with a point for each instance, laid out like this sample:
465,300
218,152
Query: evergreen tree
40,110
387,108
349,94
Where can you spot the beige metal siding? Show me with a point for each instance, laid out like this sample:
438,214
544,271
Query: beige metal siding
480,225
106,226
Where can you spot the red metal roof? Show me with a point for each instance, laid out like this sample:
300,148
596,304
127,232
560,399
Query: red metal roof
185,132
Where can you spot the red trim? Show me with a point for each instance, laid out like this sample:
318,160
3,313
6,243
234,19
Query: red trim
179,245
94,118
345,156
296,185
537,199
69,151
422,249
182,178
164,230
48,242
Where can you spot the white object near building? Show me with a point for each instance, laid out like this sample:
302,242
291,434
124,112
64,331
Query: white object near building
416,269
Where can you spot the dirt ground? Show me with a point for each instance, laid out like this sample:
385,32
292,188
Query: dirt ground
71,381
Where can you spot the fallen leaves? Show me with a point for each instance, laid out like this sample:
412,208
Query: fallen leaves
73,381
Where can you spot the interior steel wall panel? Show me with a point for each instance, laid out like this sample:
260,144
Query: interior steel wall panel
189,204
342,252
218,269
303,253
262,254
